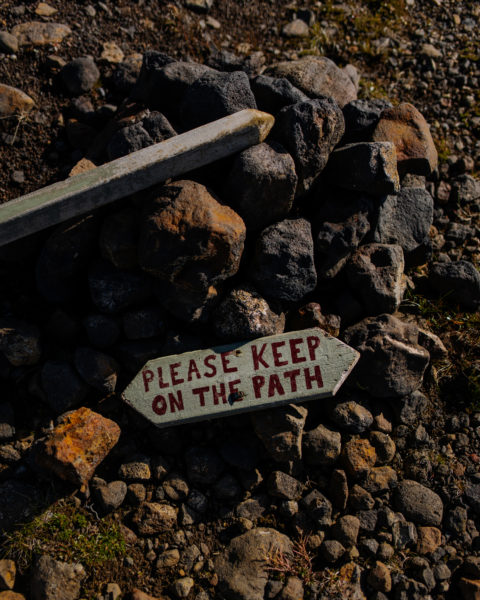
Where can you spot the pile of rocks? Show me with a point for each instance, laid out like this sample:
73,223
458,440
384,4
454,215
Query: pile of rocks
314,227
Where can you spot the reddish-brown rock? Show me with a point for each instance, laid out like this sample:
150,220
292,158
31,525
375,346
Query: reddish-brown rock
9,595
190,241
429,539
406,127
77,445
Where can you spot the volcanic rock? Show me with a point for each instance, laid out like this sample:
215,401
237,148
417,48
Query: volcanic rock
14,102
40,34
283,265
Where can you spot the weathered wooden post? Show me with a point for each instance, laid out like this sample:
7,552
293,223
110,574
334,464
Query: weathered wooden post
136,171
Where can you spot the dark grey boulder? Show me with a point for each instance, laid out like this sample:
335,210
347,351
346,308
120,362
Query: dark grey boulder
340,225
158,126
113,290
316,76
102,330
274,93
143,323
261,184
319,508
309,131
350,415
147,83
245,315
361,116
465,190
456,282
283,267
405,219
97,369
215,95
375,274
80,75
392,363
119,237
19,342
419,503
321,446
62,386
369,167
65,254
204,466
163,87
128,139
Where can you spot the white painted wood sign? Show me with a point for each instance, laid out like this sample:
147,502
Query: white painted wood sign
245,376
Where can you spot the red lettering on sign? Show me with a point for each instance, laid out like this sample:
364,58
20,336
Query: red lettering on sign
296,351
277,357
207,362
201,393
174,374
175,403
317,376
258,382
274,386
161,384
192,368
258,358
292,375
234,391
147,378
219,395
159,405
313,342
225,363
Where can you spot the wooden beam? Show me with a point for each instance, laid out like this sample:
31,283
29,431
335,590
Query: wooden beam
137,171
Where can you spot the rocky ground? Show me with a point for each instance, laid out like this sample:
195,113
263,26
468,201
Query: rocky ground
375,494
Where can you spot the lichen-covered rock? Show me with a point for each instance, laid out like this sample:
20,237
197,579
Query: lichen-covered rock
189,240
283,267
316,76
392,363
261,184
405,126
243,569
359,457
77,445
309,131
245,315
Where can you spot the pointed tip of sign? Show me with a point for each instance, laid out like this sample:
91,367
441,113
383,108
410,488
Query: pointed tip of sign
355,358
264,121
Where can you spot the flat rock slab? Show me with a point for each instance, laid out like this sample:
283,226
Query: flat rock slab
36,33
246,376
14,102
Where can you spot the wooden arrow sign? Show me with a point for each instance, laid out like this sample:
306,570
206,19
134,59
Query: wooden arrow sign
246,376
